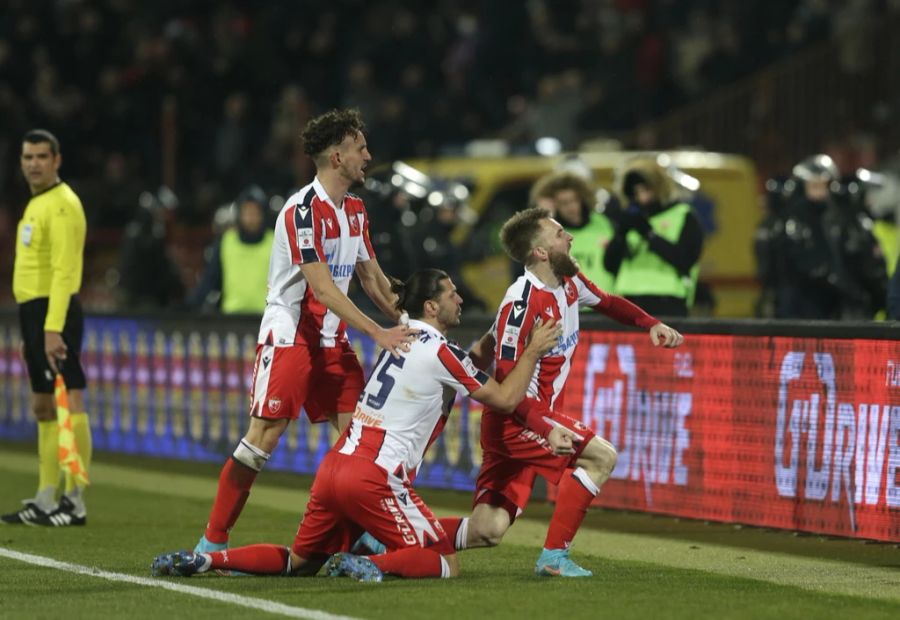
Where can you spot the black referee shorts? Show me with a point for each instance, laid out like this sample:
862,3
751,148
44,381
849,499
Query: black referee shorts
31,321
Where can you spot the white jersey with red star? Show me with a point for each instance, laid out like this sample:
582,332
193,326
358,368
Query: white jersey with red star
527,300
311,229
404,406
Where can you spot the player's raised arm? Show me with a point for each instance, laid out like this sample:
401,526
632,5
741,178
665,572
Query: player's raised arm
623,311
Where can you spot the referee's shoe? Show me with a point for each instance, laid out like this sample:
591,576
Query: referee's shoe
65,514
25,515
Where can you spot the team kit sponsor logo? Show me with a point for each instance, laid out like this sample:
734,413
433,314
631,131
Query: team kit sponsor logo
782,432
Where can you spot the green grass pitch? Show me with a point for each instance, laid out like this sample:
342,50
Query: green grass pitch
644,566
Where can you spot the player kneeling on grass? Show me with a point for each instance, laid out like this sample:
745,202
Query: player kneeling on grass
552,287
364,482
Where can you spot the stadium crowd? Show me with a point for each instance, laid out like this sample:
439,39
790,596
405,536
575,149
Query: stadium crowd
235,81
207,99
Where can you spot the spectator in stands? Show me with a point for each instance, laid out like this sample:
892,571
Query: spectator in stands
862,252
657,245
235,277
574,203
442,74
149,278
436,220
830,263
767,241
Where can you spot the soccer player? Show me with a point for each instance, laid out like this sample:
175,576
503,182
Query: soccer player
303,356
46,280
365,481
552,288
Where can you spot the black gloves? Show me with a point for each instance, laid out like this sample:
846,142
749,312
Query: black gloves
632,218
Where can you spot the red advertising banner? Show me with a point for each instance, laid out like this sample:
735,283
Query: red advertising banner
793,433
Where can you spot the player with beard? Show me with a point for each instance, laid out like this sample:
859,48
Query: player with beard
365,481
552,287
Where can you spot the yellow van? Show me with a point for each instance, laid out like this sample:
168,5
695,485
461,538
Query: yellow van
499,186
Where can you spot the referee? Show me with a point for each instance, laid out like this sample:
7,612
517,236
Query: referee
46,279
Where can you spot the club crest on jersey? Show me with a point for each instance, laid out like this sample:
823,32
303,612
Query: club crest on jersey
274,404
570,289
305,236
517,309
354,225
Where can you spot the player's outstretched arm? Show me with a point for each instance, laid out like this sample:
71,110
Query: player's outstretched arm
395,340
662,334
624,311
505,396
377,287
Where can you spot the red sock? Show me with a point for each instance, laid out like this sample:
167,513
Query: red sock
256,559
457,528
234,489
576,491
412,562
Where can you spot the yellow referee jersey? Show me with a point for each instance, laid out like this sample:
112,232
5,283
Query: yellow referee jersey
49,252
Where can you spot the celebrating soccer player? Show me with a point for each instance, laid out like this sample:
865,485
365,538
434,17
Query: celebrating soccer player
303,356
364,483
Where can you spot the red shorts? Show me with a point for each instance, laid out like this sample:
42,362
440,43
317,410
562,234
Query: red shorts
513,455
323,381
352,495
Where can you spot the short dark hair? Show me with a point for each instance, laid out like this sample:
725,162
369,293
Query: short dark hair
37,136
330,129
422,286
519,232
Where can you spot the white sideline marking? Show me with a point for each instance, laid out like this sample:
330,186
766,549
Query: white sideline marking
222,597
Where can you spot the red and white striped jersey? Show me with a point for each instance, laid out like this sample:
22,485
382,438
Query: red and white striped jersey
310,229
527,300
404,407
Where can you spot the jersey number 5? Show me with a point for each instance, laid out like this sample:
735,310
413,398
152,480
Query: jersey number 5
385,362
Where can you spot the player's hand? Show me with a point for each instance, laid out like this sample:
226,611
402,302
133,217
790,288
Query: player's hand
396,340
662,334
562,440
55,349
544,336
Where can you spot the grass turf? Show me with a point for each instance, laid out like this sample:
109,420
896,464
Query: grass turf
644,566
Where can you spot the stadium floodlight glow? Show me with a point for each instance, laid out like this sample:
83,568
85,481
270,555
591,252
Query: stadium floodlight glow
460,191
397,180
414,189
688,182
548,146
408,172
870,177
435,199
664,160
